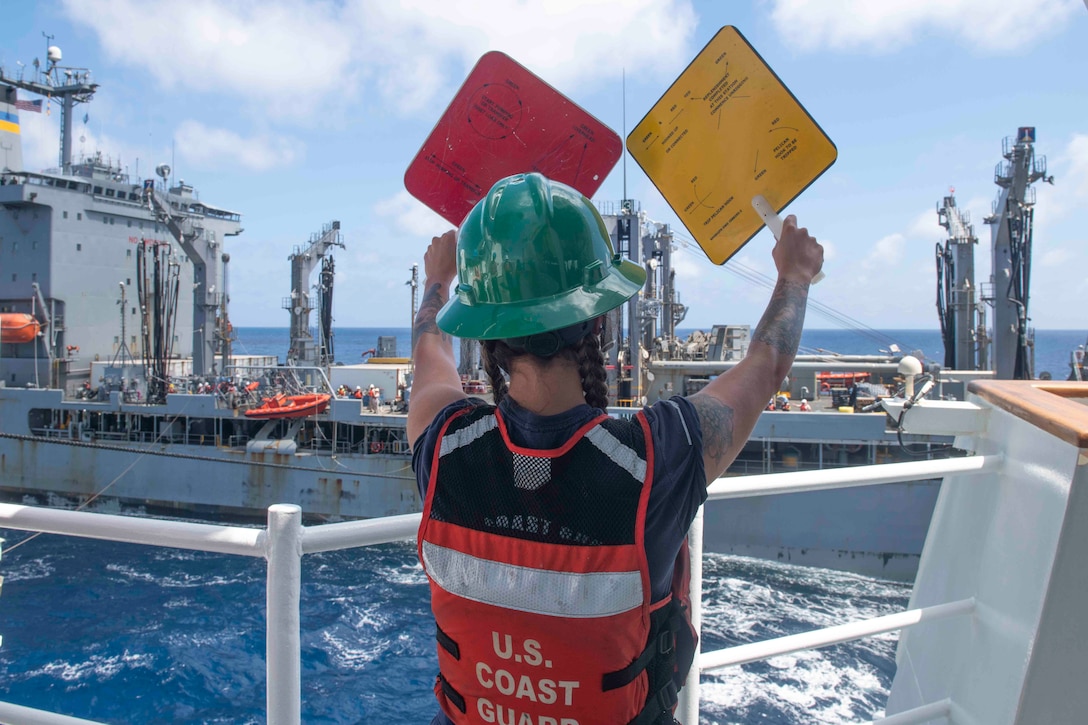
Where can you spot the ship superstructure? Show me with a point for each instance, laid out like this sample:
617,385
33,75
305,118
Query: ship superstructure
69,238
117,378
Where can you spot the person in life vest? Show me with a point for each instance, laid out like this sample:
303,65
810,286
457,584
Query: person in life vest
804,405
551,531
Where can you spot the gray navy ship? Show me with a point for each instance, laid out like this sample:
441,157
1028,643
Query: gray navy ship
119,387
118,384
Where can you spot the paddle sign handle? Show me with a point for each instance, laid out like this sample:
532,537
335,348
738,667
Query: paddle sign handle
774,223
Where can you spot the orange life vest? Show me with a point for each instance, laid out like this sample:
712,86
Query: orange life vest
539,581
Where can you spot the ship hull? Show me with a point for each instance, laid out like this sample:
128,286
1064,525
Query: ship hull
877,531
193,480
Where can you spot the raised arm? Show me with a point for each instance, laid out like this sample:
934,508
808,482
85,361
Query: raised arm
731,404
435,383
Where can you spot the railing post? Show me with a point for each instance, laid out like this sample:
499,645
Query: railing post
284,589
687,710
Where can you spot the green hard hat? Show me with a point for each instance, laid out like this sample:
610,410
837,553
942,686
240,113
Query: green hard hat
532,256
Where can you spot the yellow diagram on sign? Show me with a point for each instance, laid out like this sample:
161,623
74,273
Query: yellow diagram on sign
726,131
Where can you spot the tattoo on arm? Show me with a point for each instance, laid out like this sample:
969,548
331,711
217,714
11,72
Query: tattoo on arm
781,324
716,420
426,323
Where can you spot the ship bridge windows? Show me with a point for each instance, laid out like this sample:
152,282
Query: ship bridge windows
98,190
109,192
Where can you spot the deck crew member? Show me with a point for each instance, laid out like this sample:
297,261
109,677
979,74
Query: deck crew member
550,530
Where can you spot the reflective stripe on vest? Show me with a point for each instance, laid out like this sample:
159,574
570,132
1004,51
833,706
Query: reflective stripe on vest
620,454
463,437
537,591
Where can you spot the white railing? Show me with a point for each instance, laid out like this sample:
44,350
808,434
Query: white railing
285,541
781,483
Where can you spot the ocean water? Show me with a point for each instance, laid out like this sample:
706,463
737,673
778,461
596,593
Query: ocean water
121,633
1052,347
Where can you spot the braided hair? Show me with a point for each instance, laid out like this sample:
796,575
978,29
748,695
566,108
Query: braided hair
586,353
496,357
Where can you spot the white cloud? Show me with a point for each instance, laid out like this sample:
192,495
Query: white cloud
221,148
411,216
39,136
888,252
1077,154
285,56
1057,238
926,228
41,144
689,261
886,25
1070,170
1055,257
571,43
831,250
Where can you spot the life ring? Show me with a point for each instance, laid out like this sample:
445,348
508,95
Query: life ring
825,387
377,447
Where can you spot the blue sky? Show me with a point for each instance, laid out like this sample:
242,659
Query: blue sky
295,113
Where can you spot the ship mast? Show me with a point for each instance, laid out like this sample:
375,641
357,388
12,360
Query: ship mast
1011,229
303,352
962,316
66,84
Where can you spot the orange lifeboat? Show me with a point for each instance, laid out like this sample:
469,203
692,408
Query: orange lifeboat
290,406
18,327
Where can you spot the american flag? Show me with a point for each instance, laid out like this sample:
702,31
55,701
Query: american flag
32,106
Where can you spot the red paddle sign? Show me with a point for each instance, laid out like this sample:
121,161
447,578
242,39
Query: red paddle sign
504,120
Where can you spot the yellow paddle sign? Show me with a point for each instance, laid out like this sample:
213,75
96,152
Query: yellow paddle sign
728,131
